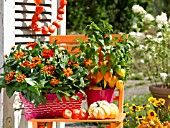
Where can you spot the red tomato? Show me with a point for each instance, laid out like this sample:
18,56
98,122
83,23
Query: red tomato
39,9
59,17
61,10
56,23
75,113
45,30
83,115
67,114
63,3
51,28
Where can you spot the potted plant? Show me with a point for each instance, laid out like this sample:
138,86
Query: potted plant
44,74
152,46
106,57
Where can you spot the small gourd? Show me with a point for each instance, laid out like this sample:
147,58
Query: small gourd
102,110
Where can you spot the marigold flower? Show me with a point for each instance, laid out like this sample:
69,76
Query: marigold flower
36,60
161,101
21,78
145,106
47,53
88,62
54,81
49,69
18,55
32,45
9,76
67,71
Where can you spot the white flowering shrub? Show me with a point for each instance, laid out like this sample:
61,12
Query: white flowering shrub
151,39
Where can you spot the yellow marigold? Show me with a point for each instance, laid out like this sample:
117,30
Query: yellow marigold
151,114
36,60
145,106
54,81
152,99
157,104
67,71
126,105
9,76
49,69
18,54
21,78
139,117
162,101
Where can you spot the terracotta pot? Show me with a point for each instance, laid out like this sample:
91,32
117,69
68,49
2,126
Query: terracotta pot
94,95
158,91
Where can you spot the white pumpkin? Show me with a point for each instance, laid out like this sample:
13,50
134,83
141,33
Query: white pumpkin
99,110
114,111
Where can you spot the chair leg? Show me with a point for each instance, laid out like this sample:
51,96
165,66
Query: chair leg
50,125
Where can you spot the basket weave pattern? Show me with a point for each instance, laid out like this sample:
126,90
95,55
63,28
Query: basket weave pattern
53,108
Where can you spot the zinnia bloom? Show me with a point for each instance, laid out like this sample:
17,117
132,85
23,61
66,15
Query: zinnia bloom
26,63
18,54
47,53
32,45
54,81
67,71
20,78
36,60
9,76
49,69
88,62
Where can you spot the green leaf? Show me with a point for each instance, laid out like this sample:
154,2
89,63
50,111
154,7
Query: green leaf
30,81
59,97
104,69
10,91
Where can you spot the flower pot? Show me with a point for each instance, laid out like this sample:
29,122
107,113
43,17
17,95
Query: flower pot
53,108
159,91
94,95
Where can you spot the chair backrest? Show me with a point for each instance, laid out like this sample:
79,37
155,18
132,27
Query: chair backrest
68,41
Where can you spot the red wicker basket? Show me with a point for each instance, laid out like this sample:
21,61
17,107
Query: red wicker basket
53,108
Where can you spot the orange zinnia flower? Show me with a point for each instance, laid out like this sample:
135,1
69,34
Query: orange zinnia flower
47,53
49,69
26,63
67,71
21,78
88,62
54,81
18,54
76,65
32,45
9,76
36,60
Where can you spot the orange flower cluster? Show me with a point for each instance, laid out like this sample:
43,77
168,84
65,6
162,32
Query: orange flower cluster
49,69
18,55
21,78
47,53
67,71
9,76
35,61
73,63
54,81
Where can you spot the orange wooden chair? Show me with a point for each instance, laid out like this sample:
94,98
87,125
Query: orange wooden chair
68,41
